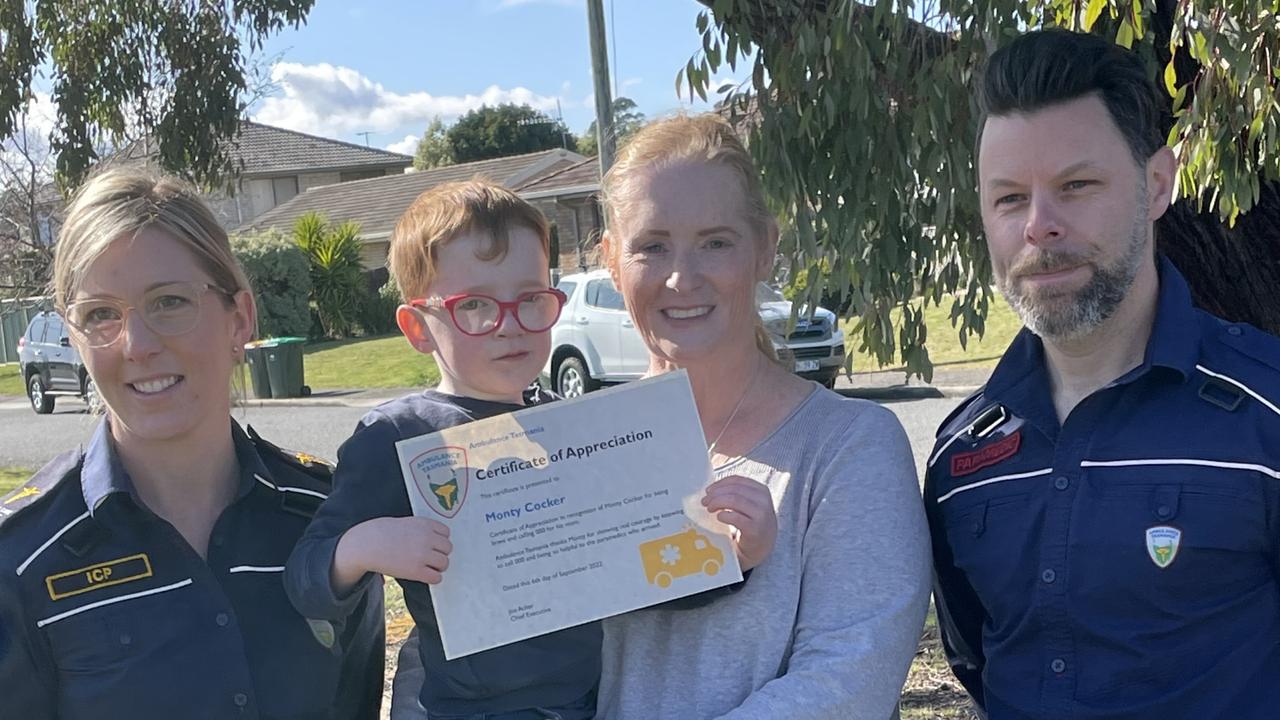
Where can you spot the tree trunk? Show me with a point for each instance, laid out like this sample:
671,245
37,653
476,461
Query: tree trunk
1234,273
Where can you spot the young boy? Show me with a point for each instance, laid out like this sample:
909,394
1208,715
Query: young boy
471,261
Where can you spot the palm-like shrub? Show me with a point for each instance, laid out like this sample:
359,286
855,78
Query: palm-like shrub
337,275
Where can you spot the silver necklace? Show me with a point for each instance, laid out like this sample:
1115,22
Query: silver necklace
712,447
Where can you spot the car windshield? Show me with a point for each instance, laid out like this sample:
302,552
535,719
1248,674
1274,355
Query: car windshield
766,294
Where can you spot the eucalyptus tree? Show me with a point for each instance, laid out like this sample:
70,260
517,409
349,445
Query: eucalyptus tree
862,119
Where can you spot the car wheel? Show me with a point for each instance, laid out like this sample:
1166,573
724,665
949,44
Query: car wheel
572,378
41,401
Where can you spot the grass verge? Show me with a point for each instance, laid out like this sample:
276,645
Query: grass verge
11,477
943,340
384,362
11,380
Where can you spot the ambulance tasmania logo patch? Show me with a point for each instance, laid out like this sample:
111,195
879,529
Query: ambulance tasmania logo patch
1162,544
440,477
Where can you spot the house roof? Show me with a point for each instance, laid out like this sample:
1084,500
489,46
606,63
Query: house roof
376,204
261,150
268,150
580,177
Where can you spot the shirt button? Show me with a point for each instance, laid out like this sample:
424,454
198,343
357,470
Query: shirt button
240,699
1058,665
1163,512
1049,575
216,540
126,639
1061,482
221,619
1234,330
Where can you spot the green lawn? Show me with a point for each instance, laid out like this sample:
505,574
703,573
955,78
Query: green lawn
11,478
10,380
944,340
385,362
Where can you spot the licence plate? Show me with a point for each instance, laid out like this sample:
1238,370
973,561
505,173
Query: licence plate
806,365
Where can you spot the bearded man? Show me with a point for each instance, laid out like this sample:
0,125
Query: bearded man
1105,513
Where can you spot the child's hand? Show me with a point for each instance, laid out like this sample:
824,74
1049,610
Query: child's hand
408,548
747,506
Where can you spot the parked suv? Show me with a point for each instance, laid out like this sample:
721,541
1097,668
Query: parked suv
596,342
50,366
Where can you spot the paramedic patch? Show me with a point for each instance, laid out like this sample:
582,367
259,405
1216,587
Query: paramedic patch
972,462
101,575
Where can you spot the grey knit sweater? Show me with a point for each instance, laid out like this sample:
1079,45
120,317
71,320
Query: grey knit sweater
828,625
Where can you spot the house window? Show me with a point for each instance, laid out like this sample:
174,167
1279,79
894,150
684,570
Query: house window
360,175
284,188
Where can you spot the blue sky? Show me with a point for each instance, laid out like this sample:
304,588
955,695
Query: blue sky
387,66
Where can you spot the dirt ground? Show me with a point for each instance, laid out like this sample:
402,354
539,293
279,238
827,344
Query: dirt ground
930,693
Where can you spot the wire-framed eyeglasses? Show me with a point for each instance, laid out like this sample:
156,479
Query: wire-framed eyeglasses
170,309
477,315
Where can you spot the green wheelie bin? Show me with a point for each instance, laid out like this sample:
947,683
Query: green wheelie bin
255,356
284,367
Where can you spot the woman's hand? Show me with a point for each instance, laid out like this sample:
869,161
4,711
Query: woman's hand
408,548
747,507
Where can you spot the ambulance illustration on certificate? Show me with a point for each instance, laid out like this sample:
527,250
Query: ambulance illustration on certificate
685,553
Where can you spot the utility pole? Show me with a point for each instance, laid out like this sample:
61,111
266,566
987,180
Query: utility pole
600,76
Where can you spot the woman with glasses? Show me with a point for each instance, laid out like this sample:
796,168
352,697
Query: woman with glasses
140,576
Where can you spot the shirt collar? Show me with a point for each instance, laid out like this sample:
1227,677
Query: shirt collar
251,466
1175,337
1174,341
103,474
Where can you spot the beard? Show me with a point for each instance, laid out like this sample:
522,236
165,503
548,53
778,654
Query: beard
1067,316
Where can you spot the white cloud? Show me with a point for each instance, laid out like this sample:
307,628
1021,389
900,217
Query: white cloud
336,101
716,83
631,82
407,146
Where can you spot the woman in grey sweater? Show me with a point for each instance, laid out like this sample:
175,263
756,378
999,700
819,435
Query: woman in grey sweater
826,627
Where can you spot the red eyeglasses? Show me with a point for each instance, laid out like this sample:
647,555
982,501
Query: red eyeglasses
477,315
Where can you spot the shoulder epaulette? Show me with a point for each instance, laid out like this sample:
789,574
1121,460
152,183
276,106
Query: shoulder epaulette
310,465
966,405
35,491
1248,340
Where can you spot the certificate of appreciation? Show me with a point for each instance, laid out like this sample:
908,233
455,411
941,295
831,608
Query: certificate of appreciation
569,512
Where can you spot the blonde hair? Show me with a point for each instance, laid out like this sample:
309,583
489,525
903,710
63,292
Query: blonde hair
706,138
119,204
448,210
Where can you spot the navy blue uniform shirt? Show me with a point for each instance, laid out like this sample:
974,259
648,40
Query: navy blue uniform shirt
106,613
557,670
1123,563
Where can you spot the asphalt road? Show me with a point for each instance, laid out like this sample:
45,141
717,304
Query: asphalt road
28,440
